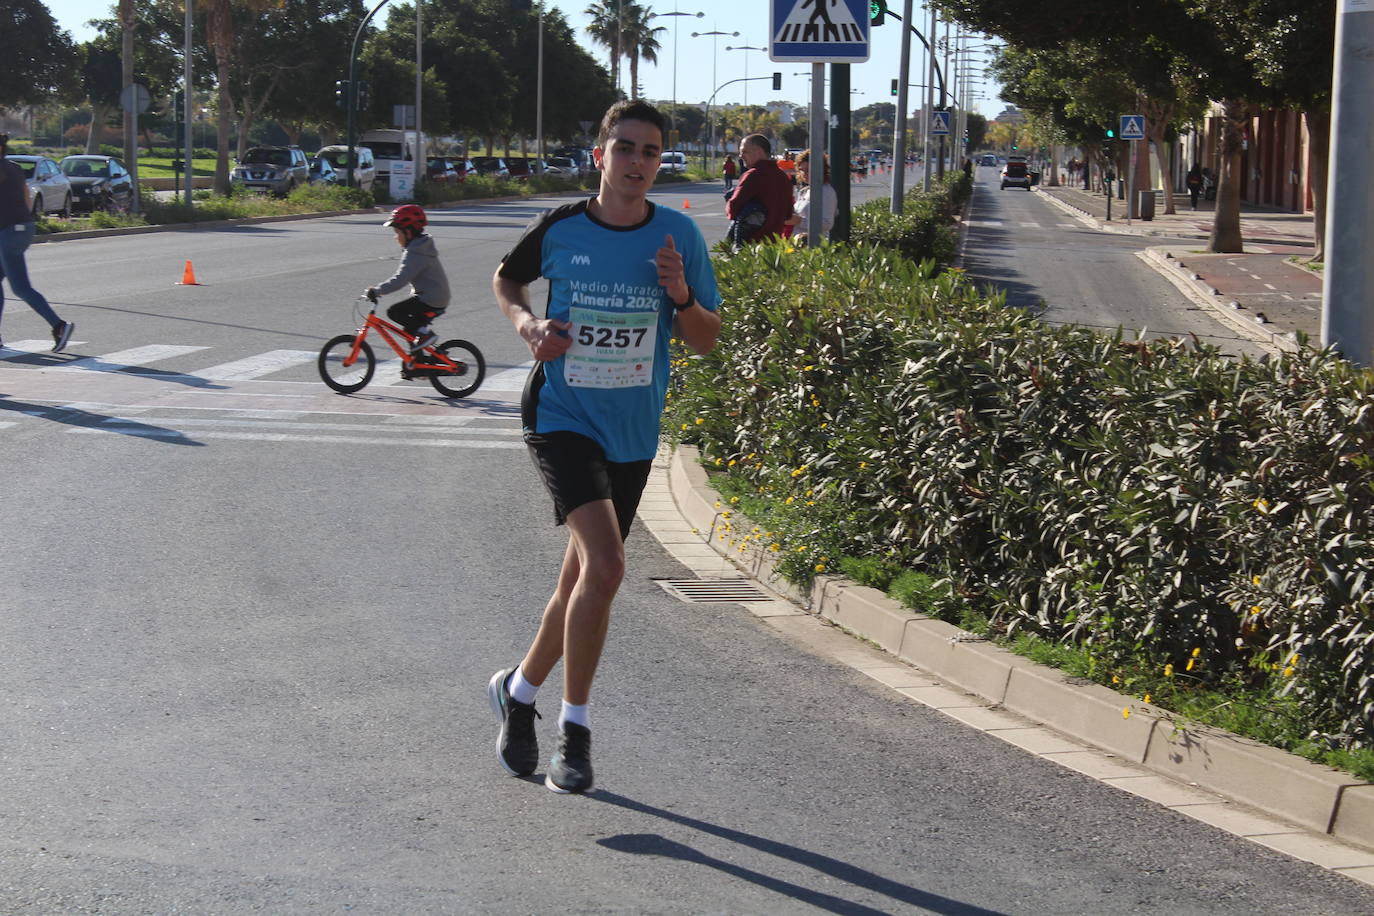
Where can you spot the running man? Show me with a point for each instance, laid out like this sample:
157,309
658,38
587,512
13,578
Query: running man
624,276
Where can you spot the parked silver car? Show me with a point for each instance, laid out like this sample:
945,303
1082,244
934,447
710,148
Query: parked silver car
276,169
50,189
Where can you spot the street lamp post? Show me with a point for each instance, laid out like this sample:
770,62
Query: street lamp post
715,34
672,118
746,65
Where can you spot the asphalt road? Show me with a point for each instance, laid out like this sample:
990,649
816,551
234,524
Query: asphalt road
1068,273
247,626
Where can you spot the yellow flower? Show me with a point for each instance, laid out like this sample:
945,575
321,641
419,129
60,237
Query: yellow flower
1256,610
824,425
1288,672
717,504
700,420
790,500
1126,712
1146,698
820,567
808,368
1191,663
1196,653
1116,679
862,464
695,531
733,500
1255,580
684,425
718,462
730,463
774,547
1261,506
1168,670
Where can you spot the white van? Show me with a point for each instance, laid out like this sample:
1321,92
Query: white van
389,146
364,173
672,161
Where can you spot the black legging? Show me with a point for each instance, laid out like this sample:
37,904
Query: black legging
412,314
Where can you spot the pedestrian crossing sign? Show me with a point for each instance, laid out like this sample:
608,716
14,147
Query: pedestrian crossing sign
1132,127
939,123
819,31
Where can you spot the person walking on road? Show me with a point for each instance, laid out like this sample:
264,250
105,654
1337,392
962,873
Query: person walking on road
16,234
624,276
1194,183
728,172
763,196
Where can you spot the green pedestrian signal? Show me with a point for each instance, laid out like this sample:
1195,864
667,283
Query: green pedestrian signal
894,87
1111,134
877,11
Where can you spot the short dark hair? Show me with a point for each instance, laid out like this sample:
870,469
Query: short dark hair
631,110
761,142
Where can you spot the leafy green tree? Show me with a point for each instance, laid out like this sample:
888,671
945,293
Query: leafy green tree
100,71
40,63
322,34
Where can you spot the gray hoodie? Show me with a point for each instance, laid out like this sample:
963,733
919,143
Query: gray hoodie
420,268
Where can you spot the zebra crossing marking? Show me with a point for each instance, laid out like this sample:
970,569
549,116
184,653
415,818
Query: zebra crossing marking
257,366
136,357
509,379
36,346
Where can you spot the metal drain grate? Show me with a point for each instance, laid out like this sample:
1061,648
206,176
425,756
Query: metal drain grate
705,591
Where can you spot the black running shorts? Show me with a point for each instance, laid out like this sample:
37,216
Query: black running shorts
576,472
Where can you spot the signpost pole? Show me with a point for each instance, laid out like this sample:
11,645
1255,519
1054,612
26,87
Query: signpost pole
899,137
817,163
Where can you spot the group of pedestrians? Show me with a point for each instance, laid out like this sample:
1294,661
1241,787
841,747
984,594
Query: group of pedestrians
16,235
767,204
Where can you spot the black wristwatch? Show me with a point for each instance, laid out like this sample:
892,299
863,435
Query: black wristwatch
691,299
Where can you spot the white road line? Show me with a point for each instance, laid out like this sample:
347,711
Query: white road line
1067,226
259,365
986,223
116,423
1030,225
1271,286
285,437
508,379
126,359
5,424
1255,277
36,346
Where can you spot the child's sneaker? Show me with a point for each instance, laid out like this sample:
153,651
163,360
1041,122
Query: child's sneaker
61,334
424,339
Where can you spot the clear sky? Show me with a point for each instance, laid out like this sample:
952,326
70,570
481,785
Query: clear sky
698,58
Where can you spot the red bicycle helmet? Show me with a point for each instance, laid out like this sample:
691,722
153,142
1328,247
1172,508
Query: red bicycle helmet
407,216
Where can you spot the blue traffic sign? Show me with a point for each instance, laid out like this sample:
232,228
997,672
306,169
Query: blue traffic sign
939,123
819,31
1132,127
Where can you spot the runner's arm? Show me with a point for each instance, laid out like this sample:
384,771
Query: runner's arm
544,336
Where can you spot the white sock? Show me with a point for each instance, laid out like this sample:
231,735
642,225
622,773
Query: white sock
521,690
575,714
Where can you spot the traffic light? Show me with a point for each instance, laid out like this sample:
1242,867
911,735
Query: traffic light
894,87
341,93
361,100
777,81
877,11
1111,134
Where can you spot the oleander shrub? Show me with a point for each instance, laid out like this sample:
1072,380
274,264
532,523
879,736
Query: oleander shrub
1155,500
925,229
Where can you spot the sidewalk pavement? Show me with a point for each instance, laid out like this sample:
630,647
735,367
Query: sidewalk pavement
1269,797
1262,292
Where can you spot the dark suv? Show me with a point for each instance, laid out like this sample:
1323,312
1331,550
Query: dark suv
276,169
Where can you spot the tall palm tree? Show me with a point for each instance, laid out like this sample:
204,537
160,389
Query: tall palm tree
639,39
605,30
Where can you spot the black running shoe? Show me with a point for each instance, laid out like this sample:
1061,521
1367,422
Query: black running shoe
61,334
571,767
517,748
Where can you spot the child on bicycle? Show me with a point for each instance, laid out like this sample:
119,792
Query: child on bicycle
420,267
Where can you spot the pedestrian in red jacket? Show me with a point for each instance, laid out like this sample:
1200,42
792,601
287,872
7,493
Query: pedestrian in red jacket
762,186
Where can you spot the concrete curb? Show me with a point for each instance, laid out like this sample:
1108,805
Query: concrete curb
208,224
1286,786
1232,314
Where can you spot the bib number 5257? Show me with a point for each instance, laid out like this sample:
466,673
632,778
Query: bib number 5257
620,338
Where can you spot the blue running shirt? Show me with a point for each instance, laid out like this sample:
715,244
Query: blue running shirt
610,385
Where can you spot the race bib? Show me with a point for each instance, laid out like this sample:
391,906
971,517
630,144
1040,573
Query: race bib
611,349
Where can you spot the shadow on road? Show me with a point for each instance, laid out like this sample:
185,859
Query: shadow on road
656,845
84,419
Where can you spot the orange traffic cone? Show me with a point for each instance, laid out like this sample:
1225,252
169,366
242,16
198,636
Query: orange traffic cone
188,276
686,204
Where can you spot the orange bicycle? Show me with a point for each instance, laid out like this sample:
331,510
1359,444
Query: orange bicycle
455,367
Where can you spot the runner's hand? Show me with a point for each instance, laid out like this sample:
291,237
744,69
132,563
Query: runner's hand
547,338
671,273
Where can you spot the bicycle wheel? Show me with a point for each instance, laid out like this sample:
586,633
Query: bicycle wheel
464,382
346,379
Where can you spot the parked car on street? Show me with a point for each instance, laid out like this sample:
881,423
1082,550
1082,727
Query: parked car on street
672,162
322,171
439,170
99,183
988,159
49,187
493,166
519,167
579,155
564,167
276,169
462,167
364,173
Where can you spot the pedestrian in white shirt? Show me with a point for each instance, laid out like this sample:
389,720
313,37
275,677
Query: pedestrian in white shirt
801,210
